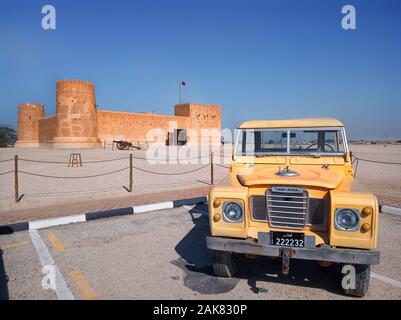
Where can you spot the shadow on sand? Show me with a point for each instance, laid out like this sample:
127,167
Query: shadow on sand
3,279
196,261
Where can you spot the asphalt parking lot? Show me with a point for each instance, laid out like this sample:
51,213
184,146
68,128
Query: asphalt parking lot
162,255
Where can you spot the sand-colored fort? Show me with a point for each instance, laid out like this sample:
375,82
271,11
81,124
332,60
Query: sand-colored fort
78,124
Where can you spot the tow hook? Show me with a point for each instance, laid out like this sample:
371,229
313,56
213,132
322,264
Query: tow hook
286,254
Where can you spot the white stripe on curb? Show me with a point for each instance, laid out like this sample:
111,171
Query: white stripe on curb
62,291
391,210
46,223
153,207
89,216
395,283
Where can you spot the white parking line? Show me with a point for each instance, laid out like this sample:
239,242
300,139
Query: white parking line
62,291
394,283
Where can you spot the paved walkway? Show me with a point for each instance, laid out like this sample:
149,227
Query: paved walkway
54,211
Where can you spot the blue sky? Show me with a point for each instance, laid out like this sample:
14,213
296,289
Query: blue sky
257,59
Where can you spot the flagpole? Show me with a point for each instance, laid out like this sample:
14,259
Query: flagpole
179,86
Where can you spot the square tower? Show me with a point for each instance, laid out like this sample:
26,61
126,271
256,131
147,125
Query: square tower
204,118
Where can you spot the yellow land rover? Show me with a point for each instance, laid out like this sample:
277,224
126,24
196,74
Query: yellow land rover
291,193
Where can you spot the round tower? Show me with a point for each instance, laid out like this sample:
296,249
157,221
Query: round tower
76,115
28,128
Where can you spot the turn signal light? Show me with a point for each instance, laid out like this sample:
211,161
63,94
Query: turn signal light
366,227
216,217
216,203
367,212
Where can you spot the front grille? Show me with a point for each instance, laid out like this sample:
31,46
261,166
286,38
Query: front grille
287,207
316,213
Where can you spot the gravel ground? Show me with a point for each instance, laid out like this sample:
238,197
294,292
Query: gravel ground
162,255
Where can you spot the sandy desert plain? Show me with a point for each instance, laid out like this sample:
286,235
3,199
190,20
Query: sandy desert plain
382,179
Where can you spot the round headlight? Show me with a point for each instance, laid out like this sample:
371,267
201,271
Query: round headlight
232,212
347,219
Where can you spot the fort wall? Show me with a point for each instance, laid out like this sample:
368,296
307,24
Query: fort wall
113,125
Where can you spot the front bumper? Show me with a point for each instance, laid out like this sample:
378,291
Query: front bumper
328,254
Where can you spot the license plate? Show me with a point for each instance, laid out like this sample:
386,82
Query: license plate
287,239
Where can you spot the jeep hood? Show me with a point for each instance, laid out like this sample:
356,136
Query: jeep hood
308,176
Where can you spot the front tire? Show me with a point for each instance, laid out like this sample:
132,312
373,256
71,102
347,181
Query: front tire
362,278
225,264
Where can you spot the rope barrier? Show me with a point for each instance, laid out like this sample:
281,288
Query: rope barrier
72,177
4,173
42,161
6,160
375,161
171,174
222,166
108,160
169,160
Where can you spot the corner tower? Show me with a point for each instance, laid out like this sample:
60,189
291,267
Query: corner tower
76,115
28,128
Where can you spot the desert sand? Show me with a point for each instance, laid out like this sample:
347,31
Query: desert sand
382,179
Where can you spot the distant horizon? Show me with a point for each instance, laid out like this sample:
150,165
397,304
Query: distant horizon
257,59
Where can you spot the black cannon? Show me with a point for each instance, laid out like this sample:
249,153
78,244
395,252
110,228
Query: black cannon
123,145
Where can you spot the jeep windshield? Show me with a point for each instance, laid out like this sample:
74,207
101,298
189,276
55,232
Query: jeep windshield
294,141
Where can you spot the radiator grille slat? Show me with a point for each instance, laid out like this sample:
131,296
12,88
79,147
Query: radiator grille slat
287,212
286,207
304,202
